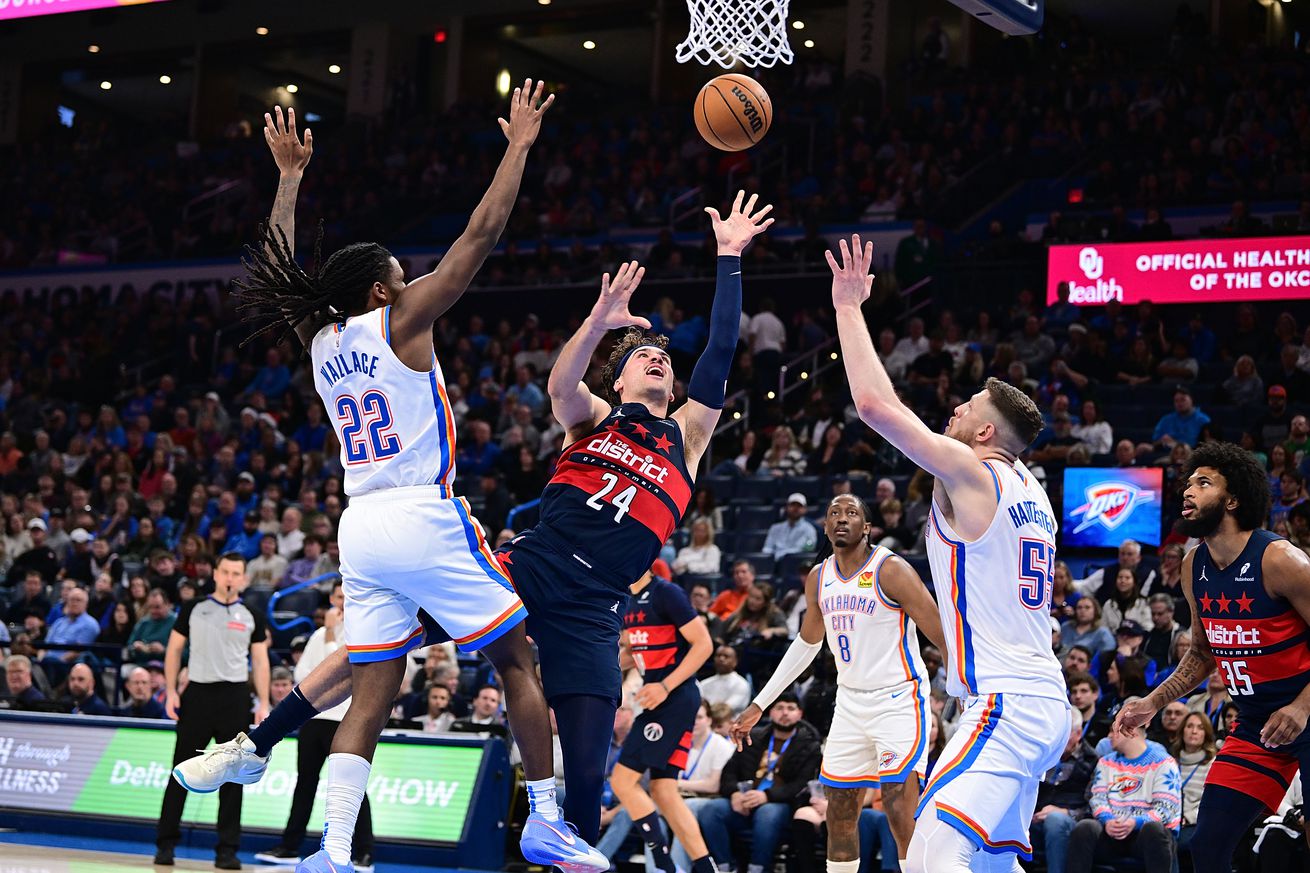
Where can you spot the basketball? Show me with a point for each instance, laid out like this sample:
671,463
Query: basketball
733,112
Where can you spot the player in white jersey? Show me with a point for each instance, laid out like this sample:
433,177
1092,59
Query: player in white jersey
991,544
868,603
406,541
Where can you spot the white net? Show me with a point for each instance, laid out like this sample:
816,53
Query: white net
724,32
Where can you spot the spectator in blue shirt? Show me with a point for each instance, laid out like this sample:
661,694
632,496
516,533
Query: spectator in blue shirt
1060,314
312,435
140,702
246,540
1183,425
1201,341
479,453
525,391
75,627
223,515
273,378
793,534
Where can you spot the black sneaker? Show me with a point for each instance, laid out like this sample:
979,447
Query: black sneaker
364,863
227,861
278,855
163,857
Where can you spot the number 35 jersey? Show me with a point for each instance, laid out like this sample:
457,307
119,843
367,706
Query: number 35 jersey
619,492
994,593
1260,642
394,424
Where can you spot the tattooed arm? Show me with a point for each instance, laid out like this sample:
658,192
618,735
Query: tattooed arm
1192,670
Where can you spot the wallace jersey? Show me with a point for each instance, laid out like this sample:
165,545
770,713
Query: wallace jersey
875,643
652,621
994,594
619,492
1261,643
394,423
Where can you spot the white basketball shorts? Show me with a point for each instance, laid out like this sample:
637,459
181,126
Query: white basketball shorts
876,736
985,782
405,549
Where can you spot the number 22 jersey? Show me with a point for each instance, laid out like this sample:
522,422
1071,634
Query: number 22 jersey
395,424
619,492
994,593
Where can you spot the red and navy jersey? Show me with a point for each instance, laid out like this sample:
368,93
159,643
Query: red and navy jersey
1261,643
619,492
652,621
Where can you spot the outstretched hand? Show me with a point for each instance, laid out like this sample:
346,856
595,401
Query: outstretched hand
743,724
1133,715
525,114
291,155
611,309
736,231
851,280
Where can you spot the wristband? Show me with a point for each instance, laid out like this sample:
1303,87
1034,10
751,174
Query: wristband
666,688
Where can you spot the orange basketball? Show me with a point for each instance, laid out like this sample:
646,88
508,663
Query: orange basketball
733,112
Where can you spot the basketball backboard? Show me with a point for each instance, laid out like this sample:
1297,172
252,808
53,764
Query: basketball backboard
1015,17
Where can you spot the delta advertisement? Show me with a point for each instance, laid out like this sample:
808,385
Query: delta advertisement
27,8
1105,506
418,791
1192,271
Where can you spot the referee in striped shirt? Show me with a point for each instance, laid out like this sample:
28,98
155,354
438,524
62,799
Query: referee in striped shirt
229,648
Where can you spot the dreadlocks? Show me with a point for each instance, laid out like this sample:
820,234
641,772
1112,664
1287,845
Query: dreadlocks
278,294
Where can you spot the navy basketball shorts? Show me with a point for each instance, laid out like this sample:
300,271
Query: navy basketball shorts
574,618
661,737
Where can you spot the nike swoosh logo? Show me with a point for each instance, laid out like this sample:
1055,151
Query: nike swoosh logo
566,837
896,695
738,273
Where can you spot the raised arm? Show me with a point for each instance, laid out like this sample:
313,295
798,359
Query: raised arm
949,460
427,297
1192,670
571,401
901,583
291,156
708,386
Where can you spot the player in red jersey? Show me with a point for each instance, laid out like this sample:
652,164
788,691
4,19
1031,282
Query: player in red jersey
1249,591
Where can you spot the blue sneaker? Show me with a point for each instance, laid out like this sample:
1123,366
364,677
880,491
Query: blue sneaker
319,862
555,843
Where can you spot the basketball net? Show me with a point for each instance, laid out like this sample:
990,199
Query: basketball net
727,31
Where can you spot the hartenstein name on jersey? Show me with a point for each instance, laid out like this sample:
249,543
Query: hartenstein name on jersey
1221,635
646,464
339,366
1028,512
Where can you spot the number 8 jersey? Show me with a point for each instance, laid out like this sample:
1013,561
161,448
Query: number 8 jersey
994,594
619,492
394,424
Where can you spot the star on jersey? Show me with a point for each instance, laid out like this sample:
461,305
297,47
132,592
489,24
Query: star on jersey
1244,602
1223,602
663,443
1205,602
640,428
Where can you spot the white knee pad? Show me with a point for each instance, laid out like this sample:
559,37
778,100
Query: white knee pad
939,848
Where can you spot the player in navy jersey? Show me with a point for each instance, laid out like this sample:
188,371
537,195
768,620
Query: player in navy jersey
1249,591
666,640
619,491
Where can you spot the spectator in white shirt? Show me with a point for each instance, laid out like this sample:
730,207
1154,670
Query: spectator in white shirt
438,717
794,534
726,685
913,344
768,338
290,539
699,780
1094,431
701,556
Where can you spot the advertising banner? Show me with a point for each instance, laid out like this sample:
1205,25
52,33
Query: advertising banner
28,8
1191,271
419,791
1103,506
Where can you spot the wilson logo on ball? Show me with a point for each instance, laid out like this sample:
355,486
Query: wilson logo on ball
748,109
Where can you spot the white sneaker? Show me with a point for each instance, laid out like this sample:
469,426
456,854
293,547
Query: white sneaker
233,761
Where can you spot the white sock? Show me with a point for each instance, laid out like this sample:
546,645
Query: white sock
843,866
541,797
347,781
